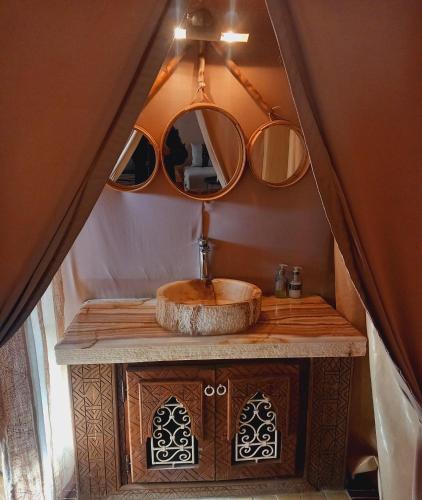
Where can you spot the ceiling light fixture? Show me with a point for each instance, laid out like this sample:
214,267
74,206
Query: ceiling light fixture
201,25
230,36
179,33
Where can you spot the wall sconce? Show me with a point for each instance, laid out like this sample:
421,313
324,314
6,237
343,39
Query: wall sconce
179,33
200,25
230,36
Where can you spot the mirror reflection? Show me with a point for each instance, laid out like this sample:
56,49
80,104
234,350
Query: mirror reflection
277,154
203,152
137,164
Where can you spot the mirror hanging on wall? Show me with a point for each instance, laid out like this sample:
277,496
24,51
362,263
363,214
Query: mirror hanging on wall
277,154
203,152
138,163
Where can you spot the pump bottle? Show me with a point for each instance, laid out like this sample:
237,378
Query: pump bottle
295,284
280,285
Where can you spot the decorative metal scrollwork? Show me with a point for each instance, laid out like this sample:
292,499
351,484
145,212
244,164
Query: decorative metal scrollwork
257,438
172,444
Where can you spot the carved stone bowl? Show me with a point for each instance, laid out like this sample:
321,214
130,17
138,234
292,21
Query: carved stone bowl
214,307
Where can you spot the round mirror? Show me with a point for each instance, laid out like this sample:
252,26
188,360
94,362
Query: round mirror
138,163
277,154
203,152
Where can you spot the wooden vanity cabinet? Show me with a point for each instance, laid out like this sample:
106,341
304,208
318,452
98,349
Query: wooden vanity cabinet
212,422
114,403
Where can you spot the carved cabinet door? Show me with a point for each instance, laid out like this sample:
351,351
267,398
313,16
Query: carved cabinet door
256,420
171,423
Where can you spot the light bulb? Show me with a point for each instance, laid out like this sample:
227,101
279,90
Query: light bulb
230,36
179,33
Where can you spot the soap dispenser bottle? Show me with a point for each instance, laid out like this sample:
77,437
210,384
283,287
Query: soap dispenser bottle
295,284
280,286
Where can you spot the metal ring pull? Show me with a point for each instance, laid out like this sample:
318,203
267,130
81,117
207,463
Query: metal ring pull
209,391
221,389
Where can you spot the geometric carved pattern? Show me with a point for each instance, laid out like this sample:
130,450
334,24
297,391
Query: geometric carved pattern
148,389
93,409
257,438
279,381
329,410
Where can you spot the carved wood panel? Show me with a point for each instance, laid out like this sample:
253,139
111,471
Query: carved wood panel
279,382
328,417
148,389
153,395
93,395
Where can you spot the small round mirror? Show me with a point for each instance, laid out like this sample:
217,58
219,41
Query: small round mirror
203,152
277,154
138,163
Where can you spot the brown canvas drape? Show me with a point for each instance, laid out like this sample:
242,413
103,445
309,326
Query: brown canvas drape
354,71
73,79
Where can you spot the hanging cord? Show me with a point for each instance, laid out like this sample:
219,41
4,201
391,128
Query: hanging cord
247,85
165,73
201,95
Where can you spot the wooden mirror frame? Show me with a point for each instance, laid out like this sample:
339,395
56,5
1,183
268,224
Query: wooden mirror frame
241,164
300,171
126,155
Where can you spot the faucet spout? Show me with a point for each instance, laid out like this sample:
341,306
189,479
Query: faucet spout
204,250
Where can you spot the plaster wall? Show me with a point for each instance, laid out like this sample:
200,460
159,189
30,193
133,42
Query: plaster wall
134,242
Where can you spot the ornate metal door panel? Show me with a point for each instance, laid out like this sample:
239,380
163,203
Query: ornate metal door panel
171,424
256,420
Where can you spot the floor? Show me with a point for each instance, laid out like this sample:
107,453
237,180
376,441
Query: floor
313,495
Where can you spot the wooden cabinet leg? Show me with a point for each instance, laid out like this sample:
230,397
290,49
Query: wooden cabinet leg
329,399
94,400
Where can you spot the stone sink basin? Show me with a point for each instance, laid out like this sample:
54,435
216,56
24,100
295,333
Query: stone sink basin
214,307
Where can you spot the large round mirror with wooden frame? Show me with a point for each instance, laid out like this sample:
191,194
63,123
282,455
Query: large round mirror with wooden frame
277,154
138,163
203,152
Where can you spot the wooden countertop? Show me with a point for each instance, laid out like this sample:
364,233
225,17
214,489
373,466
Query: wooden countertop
125,331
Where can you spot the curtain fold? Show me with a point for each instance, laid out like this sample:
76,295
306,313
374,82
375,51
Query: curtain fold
362,447
74,79
399,426
356,84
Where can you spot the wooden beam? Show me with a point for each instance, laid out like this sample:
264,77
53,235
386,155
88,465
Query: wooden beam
241,78
165,73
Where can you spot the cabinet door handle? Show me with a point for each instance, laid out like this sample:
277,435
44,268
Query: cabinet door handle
221,390
209,391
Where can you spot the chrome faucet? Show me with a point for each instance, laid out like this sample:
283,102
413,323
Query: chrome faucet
204,250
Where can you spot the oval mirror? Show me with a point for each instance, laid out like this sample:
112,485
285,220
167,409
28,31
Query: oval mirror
203,152
138,163
277,154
